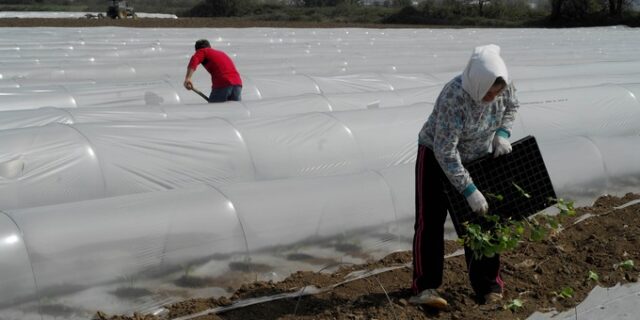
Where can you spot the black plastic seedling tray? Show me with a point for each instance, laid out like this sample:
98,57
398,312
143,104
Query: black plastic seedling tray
520,178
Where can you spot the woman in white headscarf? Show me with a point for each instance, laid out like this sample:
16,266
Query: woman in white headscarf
472,117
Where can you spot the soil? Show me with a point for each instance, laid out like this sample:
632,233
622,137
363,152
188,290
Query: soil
535,273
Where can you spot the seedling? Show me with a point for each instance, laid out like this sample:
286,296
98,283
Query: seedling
626,265
593,276
514,305
566,207
566,293
537,231
524,193
504,235
498,197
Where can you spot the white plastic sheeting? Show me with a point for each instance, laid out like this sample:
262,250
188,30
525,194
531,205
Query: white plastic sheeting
127,192
163,92
117,158
543,108
149,240
129,157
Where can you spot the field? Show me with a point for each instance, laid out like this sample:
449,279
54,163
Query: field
535,274
553,275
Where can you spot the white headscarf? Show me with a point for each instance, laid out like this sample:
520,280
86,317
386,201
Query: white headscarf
482,70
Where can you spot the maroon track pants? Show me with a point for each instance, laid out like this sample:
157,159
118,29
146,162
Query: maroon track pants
428,239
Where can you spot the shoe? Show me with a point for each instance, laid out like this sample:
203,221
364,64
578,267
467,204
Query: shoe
493,298
431,298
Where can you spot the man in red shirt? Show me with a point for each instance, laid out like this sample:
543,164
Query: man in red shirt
225,80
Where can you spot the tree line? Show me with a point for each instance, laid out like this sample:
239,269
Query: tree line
496,13
501,13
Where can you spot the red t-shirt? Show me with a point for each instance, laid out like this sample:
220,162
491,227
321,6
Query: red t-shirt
223,71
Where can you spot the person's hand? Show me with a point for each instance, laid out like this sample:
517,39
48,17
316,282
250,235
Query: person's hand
188,84
501,146
477,202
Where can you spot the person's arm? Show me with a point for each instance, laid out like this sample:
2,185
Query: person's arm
195,60
449,125
511,109
501,144
187,79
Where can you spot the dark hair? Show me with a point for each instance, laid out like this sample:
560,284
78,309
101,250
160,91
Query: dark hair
500,81
202,43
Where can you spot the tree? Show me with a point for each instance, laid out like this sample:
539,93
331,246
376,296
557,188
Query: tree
617,7
556,9
402,3
326,3
221,8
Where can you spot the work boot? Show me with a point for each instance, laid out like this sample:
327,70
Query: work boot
493,298
431,298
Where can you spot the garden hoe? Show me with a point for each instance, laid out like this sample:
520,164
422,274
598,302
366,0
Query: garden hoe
200,93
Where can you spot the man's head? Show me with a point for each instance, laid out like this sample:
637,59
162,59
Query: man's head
202,43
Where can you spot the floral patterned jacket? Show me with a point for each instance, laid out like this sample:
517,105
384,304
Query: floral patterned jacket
461,130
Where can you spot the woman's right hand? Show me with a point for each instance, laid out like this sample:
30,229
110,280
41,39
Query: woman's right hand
477,202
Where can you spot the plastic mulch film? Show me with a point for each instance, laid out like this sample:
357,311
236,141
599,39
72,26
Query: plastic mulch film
549,114
161,196
145,250
147,156
17,280
43,165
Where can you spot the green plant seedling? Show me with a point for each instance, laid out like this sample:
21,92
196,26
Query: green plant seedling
553,222
524,193
593,276
498,197
538,233
565,293
505,234
566,207
626,265
514,305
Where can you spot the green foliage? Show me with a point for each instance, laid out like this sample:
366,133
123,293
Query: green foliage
593,276
514,305
327,3
345,12
565,293
522,192
570,13
221,8
495,235
566,207
626,265
498,197
494,13
402,3
500,237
